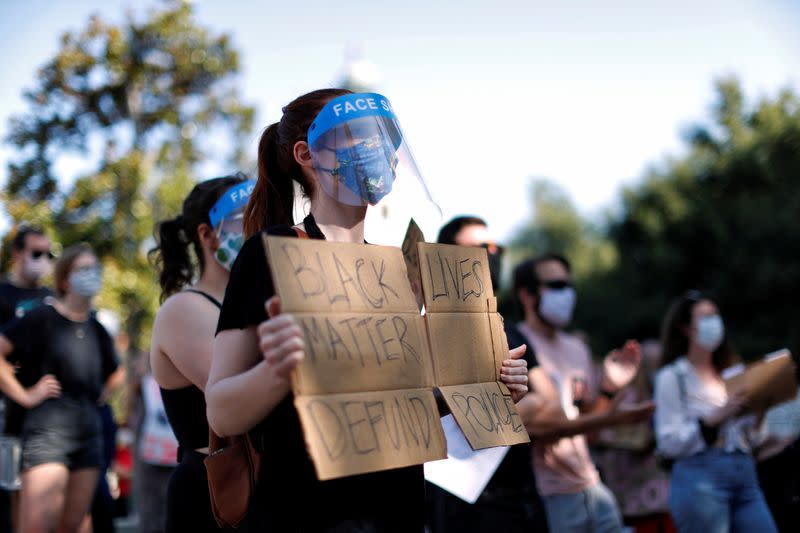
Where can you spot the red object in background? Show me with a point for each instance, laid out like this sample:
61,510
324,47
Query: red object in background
123,465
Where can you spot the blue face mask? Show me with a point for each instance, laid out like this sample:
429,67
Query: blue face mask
367,169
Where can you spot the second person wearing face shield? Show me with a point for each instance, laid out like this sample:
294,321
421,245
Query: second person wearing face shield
183,333
344,150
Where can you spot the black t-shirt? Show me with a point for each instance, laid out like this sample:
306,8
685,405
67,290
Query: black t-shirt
80,355
16,301
288,496
515,473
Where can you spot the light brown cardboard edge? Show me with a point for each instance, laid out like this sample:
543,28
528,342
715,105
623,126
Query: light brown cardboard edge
295,379
412,237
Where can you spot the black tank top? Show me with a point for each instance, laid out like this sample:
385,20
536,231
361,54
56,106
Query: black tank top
186,407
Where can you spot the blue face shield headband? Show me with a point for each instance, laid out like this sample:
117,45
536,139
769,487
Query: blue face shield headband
354,140
226,219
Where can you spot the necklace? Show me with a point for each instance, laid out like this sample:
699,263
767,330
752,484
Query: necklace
79,332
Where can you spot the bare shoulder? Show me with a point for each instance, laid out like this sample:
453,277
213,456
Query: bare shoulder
185,307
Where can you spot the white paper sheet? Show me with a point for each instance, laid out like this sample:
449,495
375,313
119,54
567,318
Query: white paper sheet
465,472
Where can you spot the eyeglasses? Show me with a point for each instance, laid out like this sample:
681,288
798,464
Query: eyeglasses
36,254
556,283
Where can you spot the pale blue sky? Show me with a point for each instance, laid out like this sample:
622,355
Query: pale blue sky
587,93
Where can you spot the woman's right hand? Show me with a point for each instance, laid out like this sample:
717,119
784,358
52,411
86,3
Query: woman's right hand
280,340
47,387
736,405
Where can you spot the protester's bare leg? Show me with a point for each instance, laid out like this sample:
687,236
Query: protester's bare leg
42,497
80,491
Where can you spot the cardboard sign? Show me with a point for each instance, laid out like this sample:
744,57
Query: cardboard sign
313,276
411,256
363,432
769,382
468,343
363,393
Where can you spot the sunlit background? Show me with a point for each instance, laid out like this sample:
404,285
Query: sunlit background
585,93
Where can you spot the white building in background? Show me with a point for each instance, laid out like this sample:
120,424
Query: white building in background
386,223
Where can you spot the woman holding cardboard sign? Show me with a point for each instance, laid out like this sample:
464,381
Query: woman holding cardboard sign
714,485
345,152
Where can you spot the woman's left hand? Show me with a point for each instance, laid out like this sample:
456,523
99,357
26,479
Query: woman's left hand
514,373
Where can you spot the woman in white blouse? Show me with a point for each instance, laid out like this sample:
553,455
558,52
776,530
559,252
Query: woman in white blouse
714,485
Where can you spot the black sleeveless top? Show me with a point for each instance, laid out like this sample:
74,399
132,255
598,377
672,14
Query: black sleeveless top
186,407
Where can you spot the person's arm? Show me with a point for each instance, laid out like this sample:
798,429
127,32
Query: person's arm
114,382
47,387
545,420
618,370
183,339
250,371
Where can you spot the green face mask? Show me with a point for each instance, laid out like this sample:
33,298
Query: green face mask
229,246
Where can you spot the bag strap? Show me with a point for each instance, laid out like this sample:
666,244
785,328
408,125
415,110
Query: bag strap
681,377
206,296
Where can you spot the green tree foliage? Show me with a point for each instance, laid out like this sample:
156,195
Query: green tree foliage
142,105
721,219
557,226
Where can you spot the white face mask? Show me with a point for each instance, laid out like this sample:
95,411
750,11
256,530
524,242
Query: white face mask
86,282
710,332
35,269
556,306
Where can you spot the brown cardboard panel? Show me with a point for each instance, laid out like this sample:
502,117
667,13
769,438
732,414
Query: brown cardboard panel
485,415
499,342
411,256
461,348
769,382
359,352
313,275
350,434
454,278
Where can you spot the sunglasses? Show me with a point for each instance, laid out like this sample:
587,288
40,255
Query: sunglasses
36,254
556,284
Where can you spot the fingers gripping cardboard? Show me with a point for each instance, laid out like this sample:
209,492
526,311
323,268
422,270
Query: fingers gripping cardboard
364,390
468,343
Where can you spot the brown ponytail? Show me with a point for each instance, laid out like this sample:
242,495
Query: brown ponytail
171,256
272,200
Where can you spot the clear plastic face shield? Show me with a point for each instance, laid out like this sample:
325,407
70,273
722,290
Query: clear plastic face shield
227,220
361,155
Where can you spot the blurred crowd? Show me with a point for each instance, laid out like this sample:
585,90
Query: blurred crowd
644,438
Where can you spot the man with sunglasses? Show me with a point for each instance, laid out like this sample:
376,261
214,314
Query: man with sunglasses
22,291
578,401
509,502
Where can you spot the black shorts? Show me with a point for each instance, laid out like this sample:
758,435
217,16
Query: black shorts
63,432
